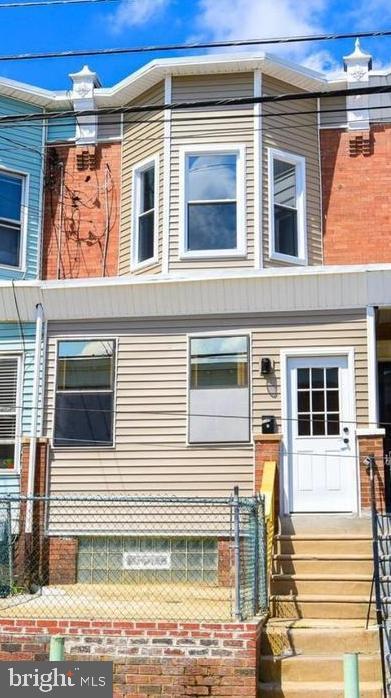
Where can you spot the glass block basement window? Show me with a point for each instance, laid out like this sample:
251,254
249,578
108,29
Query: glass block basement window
140,560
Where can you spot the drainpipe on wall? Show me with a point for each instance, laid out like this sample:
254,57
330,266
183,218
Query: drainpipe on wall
34,416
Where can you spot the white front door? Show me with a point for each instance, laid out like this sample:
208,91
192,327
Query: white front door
321,435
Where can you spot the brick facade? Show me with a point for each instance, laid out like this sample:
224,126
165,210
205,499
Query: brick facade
368,445
62,559
81,213
355,187
267,447
150,658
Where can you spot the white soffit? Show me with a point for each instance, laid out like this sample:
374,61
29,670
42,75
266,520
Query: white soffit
300,290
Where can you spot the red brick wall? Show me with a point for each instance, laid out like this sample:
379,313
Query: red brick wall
82,234
150,658
267,447
356,191
62,556
369,445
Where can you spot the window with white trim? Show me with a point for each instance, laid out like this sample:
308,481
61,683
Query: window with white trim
11,214
287,207
145,196
85,393
213,203
219,397
9,367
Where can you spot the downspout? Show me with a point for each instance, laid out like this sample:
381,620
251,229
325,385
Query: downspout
34,417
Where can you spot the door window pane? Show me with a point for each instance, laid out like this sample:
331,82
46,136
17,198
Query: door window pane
303,378
312,404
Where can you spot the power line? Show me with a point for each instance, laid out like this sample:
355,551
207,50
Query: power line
376,34
196,104
47,3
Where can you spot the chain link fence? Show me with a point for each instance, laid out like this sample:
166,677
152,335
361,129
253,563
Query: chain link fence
131,558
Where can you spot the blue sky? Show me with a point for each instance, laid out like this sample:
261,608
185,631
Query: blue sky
138,22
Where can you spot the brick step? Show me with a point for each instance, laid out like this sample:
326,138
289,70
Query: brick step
359,585
307,544
315,668
323,564
312,606
321,689
307,636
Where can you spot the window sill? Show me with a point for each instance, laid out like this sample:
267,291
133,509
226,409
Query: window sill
288,259
147,264
218,254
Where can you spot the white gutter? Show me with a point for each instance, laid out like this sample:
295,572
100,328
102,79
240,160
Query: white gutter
34,417
373,412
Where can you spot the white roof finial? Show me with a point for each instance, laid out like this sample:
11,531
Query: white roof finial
358,57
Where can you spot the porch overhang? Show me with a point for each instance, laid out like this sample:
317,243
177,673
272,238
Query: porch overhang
284,290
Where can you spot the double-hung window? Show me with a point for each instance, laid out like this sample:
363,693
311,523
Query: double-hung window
9,411
219,394
287,207
11,218
145,193
85,393
213,206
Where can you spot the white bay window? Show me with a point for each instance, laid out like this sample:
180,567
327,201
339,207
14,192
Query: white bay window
287,219
212,211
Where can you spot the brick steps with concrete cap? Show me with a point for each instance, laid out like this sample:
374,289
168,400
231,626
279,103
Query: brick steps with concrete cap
321,587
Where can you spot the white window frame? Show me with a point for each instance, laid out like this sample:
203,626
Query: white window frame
222,333
209,149
25,177
18,412
85,338
136,192
299,162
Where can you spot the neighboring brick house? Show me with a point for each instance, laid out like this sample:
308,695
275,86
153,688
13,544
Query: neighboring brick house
355,143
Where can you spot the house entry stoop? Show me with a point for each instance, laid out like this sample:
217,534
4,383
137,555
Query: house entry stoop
320,594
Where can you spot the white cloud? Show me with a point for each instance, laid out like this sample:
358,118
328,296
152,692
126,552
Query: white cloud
135,13
246,19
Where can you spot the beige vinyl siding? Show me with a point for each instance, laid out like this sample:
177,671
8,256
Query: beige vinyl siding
150,454
297,134
329,118
141,141
187,131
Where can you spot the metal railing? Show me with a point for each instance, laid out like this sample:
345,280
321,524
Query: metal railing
127,557
381,548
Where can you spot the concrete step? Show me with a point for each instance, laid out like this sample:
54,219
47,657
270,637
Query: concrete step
359,585
314,668
325,523
320,689
323,544
323,564
310,636
312,606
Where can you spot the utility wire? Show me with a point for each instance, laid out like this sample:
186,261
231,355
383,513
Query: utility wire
198,45
47,3
174,106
